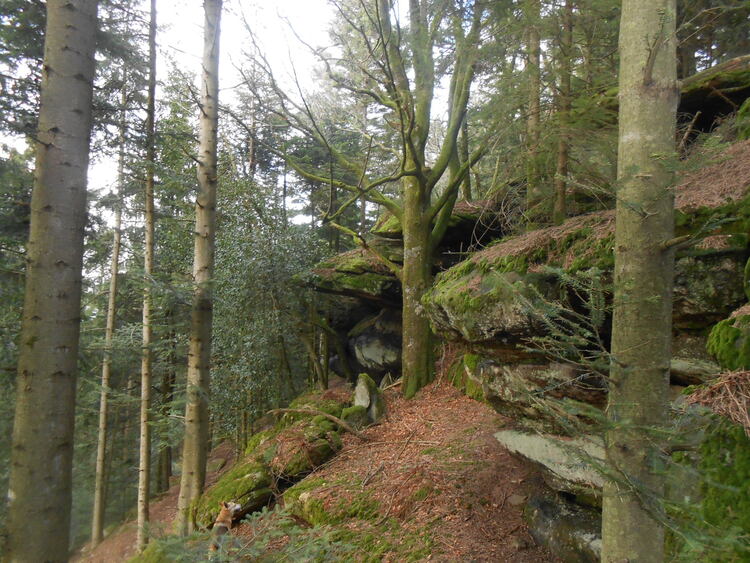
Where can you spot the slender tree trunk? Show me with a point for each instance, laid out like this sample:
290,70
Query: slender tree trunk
144,463
416,278
195,444
164,464
97,520
42,451
463,149
641,337
534,191
560,211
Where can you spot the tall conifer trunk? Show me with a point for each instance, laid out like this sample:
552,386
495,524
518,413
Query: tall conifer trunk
534,191
42,447
559,210
639,376
194,451
97,519
144,458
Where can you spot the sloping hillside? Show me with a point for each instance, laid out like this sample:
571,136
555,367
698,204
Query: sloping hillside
430,483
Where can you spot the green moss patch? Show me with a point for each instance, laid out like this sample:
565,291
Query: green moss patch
729,342
356,519
246,483
356,272
460,376
723,515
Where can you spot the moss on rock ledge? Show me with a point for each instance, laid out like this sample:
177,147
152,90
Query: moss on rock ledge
356,273
729,342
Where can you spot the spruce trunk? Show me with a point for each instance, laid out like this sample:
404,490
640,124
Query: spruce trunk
97,519
535,194
639,376
416,277
42,450
144,458
195,444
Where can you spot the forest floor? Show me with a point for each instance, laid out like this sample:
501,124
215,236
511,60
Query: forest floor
432,466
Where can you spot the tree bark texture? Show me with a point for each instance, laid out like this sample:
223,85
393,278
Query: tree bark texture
100,500
42,446
534,191
416,277
195,443
144,457
559,211
639,376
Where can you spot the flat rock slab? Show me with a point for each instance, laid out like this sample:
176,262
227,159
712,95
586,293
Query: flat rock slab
566,462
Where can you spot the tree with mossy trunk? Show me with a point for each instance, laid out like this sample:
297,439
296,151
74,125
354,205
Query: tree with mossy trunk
644,263
42,451
397,68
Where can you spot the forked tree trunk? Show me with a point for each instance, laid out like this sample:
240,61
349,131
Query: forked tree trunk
641,337
144,458
100,500
42,451
195,444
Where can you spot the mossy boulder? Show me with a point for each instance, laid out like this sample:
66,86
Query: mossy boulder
535,394
297,444
247,483
463,376
356,416
308,500
368,395
356,273
729,342
708,286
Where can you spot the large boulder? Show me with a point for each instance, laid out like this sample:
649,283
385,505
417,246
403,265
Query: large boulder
356,273
729,340
293,448
375,343
502,293
534,394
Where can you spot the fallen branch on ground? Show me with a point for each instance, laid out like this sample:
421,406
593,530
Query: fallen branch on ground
330,417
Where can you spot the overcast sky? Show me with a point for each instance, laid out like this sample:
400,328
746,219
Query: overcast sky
180,38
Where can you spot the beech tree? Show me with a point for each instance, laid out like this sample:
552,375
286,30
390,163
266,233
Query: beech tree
397,68
195,445
42,447
644,263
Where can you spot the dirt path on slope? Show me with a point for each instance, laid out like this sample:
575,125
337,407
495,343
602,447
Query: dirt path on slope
433,462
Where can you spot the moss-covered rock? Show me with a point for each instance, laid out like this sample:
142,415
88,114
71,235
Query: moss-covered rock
298,443
462,376
707,288
721,470
356,416
246,483
367,394
356,273
307,503
729,342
